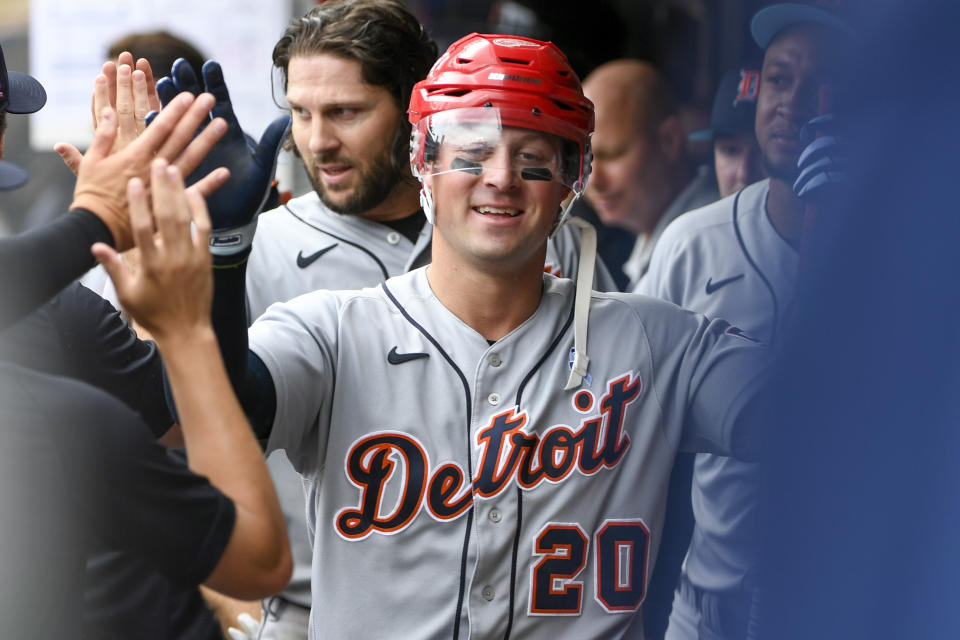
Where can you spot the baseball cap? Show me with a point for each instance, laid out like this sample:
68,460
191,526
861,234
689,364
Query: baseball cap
734,105
19,93
770,21
11,176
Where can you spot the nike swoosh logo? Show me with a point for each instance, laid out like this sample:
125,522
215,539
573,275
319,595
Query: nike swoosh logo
713,286
399,358
305,261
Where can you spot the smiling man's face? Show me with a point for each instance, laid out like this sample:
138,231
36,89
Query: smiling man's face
496,210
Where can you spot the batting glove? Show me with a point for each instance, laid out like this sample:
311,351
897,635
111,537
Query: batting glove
233,207
823,162
249,629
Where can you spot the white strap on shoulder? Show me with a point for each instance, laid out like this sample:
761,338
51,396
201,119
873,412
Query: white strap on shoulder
581,304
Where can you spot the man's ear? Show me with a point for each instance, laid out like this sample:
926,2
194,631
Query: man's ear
672,139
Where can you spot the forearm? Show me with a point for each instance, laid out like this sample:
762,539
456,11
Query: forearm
227,609
221,446
36,264
230,321
248,376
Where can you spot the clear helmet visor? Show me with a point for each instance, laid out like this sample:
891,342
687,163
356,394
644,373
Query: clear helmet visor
480,139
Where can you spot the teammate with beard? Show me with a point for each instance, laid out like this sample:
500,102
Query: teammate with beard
738,259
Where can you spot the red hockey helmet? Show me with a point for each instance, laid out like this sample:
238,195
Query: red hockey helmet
526,83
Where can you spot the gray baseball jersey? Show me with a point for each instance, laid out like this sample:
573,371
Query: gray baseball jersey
729,262
304,247
455,489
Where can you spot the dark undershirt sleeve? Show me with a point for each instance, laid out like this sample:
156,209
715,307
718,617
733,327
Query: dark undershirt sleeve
108,354
249,377
36,264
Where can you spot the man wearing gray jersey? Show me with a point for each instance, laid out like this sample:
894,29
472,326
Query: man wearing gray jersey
349,68
737,259
471,471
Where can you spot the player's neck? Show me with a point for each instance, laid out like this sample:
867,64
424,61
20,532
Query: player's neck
492,304
404,199
785,211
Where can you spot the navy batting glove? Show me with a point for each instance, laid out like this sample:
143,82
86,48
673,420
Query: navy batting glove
234,206
823,162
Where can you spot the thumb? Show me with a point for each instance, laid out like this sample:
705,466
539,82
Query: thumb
70,155
112,264
104,134
270,141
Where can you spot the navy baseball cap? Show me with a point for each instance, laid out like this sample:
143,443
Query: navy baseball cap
734,105
770,21
19,93
11,176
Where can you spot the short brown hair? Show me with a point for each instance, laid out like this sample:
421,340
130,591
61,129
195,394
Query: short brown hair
392,47
160,48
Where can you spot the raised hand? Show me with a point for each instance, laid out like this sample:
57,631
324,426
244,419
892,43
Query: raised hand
132,92
170,291
233,209
103,173
823,162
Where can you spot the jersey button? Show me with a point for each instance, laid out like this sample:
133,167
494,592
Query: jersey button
488,593
393,237
494,399
495,360
495,515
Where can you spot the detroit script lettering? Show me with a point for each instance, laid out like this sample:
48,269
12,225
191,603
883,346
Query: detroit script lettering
508,456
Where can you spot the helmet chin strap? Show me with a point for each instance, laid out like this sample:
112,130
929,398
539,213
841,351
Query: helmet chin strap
426,202
581,303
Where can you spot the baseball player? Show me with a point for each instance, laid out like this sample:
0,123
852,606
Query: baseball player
470,470
736,164
737,160
737,259
349,68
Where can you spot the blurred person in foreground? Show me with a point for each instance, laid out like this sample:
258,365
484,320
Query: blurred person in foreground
738,259
79,466
862,510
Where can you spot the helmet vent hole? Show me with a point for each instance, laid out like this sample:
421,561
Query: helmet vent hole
464,60
456,93
515,61
563,106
